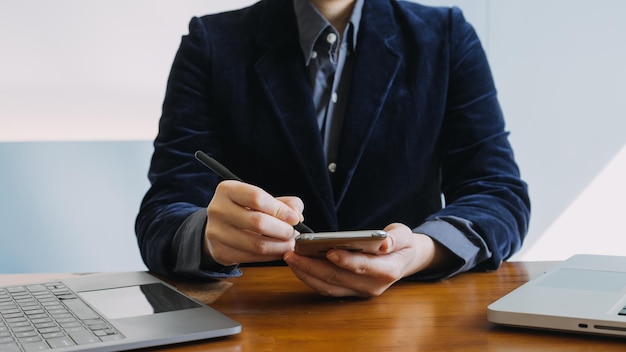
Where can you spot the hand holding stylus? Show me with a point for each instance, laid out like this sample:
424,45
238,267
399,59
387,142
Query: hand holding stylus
228,175
245,223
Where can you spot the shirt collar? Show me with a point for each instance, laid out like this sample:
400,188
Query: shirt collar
311,24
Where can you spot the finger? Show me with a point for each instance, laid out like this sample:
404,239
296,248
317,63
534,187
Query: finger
398,237
255,198
372,270
230,211
260,212
294,203
248,247
319,275
223,235
324,288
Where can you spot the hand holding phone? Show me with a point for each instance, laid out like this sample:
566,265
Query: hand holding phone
317,244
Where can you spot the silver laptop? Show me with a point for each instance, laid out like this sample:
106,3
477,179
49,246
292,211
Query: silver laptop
109,312
584,294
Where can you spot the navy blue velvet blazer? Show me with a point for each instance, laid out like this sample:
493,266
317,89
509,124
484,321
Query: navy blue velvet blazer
423,119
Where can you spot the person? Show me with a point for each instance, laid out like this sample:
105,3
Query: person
347,114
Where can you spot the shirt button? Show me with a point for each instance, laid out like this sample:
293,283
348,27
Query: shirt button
313,54
331,38
334,97
332,167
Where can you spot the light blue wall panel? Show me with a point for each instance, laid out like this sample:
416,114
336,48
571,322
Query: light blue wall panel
71,206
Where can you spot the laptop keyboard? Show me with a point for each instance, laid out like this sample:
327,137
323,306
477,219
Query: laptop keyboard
48,316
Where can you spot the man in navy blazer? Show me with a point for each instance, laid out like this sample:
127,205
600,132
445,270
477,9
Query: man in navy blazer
349,114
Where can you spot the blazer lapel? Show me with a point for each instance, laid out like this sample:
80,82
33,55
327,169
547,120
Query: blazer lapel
377,64
283,76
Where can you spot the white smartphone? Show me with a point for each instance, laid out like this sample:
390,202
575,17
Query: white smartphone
317,244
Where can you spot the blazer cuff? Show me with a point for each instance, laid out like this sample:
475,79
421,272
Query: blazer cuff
459,236
189,257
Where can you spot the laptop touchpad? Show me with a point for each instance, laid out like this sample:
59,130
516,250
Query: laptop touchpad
591,280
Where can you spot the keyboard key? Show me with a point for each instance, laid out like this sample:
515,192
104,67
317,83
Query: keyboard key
44,322
12,315
81,310
30,339
66,320
53,335
93,321
37,316
60,342
16,326
23,328
35,346
10,347
32,308
34,312
49,330
98,327
111,337
12,321
21,335
35,288
6,339
67,296
83,336
62,316
71,325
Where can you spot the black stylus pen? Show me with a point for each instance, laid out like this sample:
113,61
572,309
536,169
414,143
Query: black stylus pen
228,175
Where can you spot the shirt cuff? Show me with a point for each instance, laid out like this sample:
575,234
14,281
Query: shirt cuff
189,257
459,236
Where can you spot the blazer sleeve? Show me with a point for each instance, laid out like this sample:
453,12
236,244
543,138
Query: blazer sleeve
169,237
486,199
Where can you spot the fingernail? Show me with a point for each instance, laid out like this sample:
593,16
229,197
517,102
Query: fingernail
332,256
289,258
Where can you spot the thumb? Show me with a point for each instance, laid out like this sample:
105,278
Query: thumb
396,237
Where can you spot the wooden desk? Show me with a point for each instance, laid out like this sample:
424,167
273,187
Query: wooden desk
278,313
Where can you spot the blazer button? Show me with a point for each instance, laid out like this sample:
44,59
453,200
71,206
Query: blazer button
332,167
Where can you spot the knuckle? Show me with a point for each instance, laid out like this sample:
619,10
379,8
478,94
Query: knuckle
257,221
256,200
361,269
224,188
262,247
332,278
213,211
280,211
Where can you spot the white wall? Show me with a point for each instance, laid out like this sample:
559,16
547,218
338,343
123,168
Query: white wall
81,85
559,66
97,66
